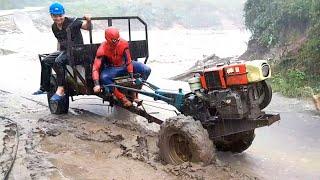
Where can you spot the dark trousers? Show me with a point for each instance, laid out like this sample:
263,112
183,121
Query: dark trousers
57,59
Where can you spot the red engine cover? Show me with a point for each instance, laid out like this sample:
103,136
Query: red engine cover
213,78
235,74
223,76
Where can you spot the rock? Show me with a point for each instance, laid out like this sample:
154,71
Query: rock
53,132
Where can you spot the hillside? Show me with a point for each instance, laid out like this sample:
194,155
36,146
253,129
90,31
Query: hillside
286,31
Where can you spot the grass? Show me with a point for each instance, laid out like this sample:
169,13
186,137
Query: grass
294,82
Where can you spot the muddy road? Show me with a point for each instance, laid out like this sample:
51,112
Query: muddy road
94,141
85,145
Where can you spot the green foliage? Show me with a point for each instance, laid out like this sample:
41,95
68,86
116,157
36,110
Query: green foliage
310,52
292,83
271,20
282,22
310,56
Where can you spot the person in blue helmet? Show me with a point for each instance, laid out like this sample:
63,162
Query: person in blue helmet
59,58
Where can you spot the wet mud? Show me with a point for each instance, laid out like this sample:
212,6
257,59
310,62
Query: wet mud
8,145
84,145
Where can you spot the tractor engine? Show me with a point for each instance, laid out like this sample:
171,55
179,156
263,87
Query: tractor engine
233,91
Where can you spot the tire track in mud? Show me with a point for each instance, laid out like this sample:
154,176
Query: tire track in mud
29,162
115,146
10,143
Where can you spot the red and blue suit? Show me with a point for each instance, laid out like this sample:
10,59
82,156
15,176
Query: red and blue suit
114,60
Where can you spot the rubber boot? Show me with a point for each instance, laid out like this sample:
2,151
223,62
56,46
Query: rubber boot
120,96
126,102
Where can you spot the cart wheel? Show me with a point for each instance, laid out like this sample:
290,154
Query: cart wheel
182,139
265,94
61,107
235,143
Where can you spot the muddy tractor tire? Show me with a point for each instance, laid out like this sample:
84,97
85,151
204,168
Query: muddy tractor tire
265,94
236,143
60,107
182,139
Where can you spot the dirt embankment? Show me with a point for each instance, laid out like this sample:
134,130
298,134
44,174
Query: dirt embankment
257,51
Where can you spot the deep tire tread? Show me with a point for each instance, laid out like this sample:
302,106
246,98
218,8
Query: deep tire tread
201,146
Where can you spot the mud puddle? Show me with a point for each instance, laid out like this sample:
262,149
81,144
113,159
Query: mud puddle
89,146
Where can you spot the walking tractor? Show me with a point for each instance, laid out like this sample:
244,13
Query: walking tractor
222,110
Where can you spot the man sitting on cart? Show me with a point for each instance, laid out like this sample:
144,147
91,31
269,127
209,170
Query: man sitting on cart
112,60
59,58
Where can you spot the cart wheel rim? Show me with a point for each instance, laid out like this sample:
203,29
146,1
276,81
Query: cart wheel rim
179,148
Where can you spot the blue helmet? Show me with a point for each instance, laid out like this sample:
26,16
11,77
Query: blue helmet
56,8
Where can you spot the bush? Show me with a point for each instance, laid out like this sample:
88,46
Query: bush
270,21
293,83
278,23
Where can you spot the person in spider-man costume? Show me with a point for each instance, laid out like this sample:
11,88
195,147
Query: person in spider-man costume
112,60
